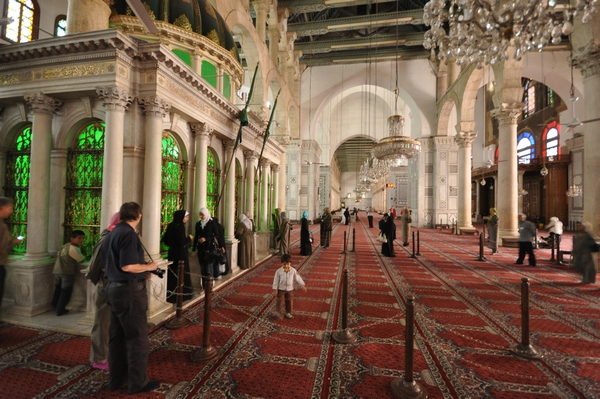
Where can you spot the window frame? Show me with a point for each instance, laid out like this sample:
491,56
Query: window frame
35,22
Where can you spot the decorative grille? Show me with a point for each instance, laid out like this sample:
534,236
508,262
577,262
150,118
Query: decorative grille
18,161
212,182
83,192
173,182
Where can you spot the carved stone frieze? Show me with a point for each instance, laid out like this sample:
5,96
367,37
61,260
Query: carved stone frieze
114,98
43,104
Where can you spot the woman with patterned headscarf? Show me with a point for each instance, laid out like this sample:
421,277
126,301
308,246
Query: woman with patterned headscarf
284,235
179,243
584,243
244,233
305,243
204,240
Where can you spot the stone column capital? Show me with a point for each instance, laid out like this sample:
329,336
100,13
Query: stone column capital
114,98
508,113
265,162
274,167
588,60
228,145
465,139
42,104
201,129
283,140
250,155
154,106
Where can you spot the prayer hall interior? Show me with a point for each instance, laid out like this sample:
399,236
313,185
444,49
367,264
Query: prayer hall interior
265,106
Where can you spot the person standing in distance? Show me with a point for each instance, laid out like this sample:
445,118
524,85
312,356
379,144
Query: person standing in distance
127,272
526,235
6,241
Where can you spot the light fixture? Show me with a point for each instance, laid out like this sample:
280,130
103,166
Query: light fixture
574,190
396,148
544,171
522,192
482,182
481,31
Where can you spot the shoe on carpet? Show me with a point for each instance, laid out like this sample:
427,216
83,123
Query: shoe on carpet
518,263
150,386
289,315
101,366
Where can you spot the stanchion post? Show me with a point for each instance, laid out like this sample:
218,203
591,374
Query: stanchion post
481,258
207,351
179,321
344,250
413,245
344,336
557,239
353,240
552,259
525,349
407,387
418,243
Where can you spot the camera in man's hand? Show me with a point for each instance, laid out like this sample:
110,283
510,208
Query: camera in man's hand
159,272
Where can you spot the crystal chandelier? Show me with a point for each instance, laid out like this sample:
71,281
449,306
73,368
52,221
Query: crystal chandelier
396,148
480,31
574,190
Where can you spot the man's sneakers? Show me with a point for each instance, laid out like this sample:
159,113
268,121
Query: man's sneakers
289,315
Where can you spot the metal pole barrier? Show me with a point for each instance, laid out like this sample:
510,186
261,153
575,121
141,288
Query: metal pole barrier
179,321
207,351
525,349
552,259
481,258
537,243
413,245
407,387
557,239
344,336
418,243
344,250
353,240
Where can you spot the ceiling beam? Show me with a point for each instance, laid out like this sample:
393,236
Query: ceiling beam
362,56
301,6
368,43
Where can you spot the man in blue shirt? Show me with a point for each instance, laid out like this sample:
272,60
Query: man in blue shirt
526,235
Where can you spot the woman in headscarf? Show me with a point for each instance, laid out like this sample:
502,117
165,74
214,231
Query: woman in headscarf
584,243
284,235
492,226
391,235
244,233
326,228
179,243
204,240
305,244
95,273
383,229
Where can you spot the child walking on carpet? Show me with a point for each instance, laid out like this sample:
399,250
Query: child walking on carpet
283,284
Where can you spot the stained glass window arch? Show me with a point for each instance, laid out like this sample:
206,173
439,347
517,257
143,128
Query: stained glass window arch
83,190
172,181
18,163
60,26
529,98
25,19
212,181
551,140
525,147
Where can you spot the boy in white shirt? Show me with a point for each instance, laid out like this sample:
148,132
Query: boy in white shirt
283,284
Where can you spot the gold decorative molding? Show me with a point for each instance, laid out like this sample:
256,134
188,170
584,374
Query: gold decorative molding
15,78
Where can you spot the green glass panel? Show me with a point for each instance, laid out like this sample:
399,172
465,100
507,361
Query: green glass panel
172,182
185,57
212,183
227,87
209,73
83,191
17,186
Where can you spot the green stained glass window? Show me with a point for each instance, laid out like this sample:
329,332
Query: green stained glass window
212,182
173,182
184,56
23,15
209,73
17,186
227,86
83,191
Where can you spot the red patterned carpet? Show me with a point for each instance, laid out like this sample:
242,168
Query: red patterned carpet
467,315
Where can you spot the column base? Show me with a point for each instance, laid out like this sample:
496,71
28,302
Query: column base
32,285
231,246
157,292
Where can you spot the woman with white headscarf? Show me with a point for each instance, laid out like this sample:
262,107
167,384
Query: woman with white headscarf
244,233
584,243
204,240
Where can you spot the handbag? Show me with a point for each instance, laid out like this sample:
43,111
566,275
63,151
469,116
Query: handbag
212,253
381,238
311,239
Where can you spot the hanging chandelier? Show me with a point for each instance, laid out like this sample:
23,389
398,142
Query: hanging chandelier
574,190
481,31
396,148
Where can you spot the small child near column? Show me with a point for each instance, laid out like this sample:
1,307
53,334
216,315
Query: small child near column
283,284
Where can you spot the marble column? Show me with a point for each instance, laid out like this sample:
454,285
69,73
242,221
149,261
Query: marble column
507,183
261,9
273,34
202,133
265,165
284,142
115,102
154,111
275,185
250,157
87,16
229,221
42,107
464,141
521,174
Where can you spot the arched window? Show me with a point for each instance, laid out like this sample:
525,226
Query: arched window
18,161
172,181
525,147
212,182
60,25
238,189
529,98
83,191
551,140
25,19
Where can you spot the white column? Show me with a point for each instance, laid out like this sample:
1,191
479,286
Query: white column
265,165
43,107
273,34
261,10
229,221
115,102
250,157
464,141
202,133
507,184
275,186
521,174
154,111
284,142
